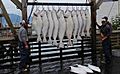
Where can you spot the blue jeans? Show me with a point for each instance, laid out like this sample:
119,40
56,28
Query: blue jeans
106,44
24,55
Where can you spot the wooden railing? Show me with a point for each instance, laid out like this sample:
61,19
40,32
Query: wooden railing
49,58
46,56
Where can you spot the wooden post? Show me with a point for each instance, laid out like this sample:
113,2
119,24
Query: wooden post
24,10
61,60
82,50
17,3
40,61
93,31
5,14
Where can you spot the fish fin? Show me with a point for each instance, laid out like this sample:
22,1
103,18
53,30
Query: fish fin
88,34
50,41
61,45
44,39
39,39
74,40
69,43
79,37
55,43
83,34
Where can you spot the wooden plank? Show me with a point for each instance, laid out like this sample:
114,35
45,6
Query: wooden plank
17,3
24,10
5,14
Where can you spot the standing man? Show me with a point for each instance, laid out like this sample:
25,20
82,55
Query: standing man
105,32
23,46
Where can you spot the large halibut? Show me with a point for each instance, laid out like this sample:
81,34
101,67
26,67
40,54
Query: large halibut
56,25
37,24
62,27
69,26
45,24
75,21
51,25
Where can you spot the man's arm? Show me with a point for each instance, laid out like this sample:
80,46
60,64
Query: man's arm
98,25
108,32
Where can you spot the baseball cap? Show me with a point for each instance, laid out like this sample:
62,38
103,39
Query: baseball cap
105,17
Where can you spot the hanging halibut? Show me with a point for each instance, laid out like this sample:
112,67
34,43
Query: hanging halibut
69,26
37,24
88,22
80,22
75,21
51,25
84,22
56,25
62,27
45,25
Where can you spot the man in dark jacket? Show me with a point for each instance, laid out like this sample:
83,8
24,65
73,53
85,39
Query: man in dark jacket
105,32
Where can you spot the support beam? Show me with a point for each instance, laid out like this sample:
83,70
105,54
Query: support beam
93,31
5,14
59,4
24,10
99,2
17,3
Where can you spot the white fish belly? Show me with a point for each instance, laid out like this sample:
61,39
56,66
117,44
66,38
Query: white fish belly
69,27
35,26
45,26
80,22
56,24
51,25
75,22
62,28
88,22
84,23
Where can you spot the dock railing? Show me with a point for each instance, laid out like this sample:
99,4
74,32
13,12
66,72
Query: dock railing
50,58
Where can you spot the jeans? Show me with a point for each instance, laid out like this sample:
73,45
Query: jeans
24,55
106,44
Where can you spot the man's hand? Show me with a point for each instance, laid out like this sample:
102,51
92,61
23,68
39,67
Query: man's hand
104,38
101,35
26,46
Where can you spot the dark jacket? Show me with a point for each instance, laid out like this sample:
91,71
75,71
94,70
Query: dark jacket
106,29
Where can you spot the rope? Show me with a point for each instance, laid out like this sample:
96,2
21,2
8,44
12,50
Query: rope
31,11
111,9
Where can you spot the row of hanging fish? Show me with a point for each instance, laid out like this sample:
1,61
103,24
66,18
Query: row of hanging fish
57,23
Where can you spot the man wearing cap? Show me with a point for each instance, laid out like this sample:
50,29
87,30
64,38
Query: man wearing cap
23,45
105,32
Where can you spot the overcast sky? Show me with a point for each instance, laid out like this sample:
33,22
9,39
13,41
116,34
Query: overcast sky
103,11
